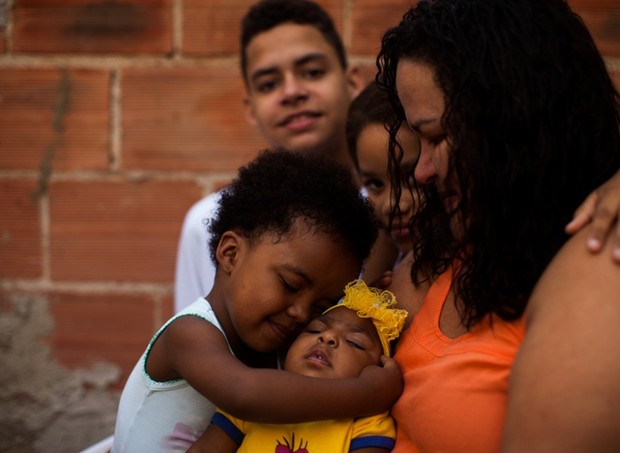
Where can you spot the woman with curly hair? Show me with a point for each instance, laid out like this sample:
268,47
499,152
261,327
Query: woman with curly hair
518,121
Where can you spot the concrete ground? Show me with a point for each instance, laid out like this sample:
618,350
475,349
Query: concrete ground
43,406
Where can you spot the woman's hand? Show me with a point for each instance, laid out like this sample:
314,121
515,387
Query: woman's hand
601,209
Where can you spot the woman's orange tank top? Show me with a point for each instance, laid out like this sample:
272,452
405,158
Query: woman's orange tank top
455,393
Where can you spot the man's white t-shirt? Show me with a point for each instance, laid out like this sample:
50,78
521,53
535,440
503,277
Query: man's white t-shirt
195,271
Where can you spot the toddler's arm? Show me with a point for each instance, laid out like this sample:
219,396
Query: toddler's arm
199,353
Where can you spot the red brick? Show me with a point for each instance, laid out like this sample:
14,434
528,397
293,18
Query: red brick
615,75
117,231
602,18
186,119
20,231
335,8
605,29
2,40
370,19
368,71
167,310
594,4
93,26
90,328
214,28
50,116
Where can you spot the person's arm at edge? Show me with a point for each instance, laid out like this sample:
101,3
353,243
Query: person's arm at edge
564,392
270,395
598,214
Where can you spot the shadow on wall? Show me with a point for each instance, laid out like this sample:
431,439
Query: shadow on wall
45,407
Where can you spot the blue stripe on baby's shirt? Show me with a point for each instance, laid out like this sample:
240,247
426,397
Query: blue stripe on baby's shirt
229,428
372,441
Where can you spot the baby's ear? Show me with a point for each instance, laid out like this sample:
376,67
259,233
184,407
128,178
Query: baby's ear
227,250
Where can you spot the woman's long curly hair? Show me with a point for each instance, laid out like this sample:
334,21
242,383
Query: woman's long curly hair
532,120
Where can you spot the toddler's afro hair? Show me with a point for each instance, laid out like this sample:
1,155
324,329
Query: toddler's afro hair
279,187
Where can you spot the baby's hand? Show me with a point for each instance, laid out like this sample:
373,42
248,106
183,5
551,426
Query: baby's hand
602,209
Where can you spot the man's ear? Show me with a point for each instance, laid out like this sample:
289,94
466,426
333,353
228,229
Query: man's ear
249,111
355,81
228,250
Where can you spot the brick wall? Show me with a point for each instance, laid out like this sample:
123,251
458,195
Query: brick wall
114,118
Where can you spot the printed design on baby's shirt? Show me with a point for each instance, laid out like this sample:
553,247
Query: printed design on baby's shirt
290,447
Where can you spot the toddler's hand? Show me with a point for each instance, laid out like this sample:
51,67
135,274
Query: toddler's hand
385,382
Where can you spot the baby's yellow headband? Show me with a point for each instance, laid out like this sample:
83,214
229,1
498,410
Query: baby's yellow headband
377,305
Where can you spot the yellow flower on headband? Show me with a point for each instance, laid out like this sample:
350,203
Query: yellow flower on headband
379,306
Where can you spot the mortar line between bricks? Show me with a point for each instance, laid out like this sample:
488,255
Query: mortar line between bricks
346,24
104,287
8,27
177,28
115,120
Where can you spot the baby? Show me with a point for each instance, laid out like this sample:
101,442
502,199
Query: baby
338,344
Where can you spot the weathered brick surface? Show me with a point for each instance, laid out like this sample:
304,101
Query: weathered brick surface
20,232
604,25
111,327
117,230
370,19
54,119
188,119
610,6
603,20
92,26
212,28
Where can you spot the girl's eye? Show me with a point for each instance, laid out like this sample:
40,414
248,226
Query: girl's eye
288,287
374,184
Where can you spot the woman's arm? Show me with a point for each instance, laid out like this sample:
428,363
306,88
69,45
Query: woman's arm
602,208
267,395
564,392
